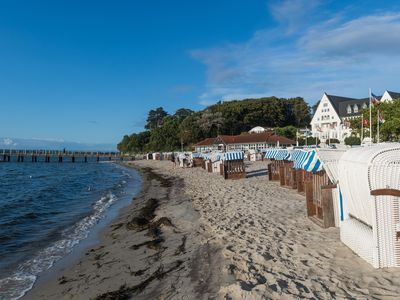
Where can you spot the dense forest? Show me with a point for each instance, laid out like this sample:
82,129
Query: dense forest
167,132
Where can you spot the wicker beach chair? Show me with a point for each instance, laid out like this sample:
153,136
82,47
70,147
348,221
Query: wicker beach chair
369,179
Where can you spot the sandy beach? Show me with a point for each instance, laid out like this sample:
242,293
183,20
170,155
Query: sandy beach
192,235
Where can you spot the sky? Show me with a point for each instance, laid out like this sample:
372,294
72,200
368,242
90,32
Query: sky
89,71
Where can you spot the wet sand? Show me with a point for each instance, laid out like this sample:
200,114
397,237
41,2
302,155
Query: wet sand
192,235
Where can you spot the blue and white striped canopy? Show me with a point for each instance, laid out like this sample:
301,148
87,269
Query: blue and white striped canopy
196,155
308,161
296,154
313,164
233,155
277,154
206,156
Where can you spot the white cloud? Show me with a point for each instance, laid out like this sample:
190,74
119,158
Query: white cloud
293,13
338,56
9,142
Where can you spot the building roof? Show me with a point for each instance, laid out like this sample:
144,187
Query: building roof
394,95
264,137
205,142
344,105
340,105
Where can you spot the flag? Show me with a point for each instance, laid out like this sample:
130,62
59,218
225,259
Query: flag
319,129
365,122
375,100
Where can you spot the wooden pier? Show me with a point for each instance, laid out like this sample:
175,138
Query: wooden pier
60,156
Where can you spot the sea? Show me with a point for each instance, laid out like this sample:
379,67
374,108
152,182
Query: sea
48,210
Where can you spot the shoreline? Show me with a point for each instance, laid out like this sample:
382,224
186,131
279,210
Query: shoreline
140,251
190,234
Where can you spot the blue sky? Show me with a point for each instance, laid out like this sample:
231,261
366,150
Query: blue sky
89,71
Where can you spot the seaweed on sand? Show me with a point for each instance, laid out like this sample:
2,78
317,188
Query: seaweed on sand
146,214
124,292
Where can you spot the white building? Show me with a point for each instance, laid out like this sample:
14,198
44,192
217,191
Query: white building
257,129
331,117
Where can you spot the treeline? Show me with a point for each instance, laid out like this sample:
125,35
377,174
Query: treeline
165,132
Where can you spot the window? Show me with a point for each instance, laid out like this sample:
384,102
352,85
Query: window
355,108
325,104
348,109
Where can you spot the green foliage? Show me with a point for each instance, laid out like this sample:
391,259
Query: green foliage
288,131
134,143
183,113
352,141
165,137
155,118
186,127
332,141
389,130
309,141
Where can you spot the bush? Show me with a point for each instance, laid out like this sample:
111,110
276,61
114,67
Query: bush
332,141
310,141
352,140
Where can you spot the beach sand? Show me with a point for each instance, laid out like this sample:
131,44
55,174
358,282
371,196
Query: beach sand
193,235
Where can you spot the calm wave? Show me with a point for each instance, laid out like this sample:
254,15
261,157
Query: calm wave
46,209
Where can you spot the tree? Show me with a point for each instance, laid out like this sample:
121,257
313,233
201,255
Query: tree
288,131
155,118
183,113
389,129
123,145
166,137
229,117
211,123
299,111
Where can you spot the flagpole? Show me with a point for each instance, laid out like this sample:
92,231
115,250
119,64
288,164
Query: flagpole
370,116
377,134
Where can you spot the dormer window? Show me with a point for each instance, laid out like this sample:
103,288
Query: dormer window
348,109
355,108
364,106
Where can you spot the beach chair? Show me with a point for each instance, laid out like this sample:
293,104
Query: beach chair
233,166
369,180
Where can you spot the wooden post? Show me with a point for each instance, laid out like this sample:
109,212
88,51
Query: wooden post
269,172
311,209
282,175
300,181
85,159
22,158
327,208
73,158
98,158
294,179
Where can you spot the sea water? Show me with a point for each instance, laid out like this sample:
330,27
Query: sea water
46,209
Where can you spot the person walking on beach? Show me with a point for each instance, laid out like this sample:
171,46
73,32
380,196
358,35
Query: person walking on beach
173,160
